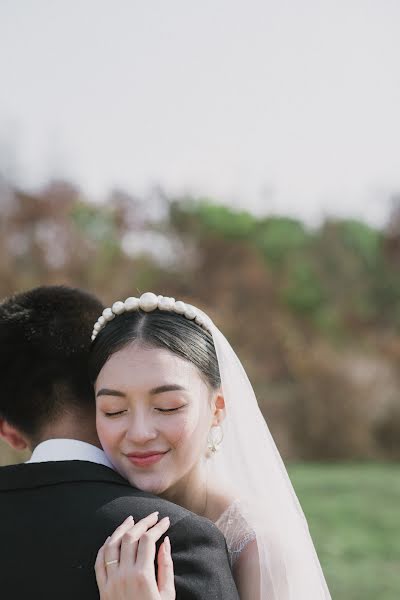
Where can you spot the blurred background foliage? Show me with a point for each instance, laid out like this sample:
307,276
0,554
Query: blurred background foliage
312,312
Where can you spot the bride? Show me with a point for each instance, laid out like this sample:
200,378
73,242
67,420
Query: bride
177,417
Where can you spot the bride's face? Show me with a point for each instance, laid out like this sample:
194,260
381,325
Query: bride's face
153,415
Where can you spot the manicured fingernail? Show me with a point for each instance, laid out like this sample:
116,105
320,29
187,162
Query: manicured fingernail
130,518
154,514
167,545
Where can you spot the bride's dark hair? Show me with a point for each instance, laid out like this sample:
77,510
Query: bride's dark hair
157,329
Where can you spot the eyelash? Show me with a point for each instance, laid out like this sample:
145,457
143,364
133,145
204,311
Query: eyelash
161,410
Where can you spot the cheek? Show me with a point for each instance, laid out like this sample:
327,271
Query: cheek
109,432
177,430
186,432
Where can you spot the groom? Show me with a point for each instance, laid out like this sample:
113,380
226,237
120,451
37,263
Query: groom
58,509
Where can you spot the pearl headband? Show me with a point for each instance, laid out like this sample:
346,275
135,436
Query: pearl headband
149,302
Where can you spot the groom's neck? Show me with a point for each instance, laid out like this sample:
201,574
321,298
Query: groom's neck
72,425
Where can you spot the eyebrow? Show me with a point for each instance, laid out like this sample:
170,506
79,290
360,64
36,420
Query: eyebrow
172,387
108,392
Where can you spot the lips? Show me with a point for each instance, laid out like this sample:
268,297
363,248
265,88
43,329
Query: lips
145,459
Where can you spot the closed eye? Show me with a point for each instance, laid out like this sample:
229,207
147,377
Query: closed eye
114,414
170,410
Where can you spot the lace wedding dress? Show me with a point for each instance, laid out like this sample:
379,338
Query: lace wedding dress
236,530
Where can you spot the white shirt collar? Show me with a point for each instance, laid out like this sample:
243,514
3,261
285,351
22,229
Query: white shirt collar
63,449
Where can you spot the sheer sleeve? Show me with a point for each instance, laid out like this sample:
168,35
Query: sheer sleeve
236,530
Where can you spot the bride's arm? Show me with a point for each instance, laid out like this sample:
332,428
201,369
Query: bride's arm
246,572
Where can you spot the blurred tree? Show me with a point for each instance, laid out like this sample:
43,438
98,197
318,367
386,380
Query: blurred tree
292,300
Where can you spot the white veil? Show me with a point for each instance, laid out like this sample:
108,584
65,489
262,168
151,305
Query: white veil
249,463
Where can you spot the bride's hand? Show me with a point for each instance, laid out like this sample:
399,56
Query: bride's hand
125,563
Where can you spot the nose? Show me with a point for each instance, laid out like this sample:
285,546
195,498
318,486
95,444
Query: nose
140,429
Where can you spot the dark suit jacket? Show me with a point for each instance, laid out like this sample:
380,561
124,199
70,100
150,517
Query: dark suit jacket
54,516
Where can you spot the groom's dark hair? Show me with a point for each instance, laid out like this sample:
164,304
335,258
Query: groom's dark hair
44,346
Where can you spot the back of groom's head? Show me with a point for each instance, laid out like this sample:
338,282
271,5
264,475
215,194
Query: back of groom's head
44,346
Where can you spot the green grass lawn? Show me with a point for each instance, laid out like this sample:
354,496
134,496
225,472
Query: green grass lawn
354,515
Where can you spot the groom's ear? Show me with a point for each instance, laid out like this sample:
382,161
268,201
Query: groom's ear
12,435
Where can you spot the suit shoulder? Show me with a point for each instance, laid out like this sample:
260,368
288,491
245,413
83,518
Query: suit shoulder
117,504
195,526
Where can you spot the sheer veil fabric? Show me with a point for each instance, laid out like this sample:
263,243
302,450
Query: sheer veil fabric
249,464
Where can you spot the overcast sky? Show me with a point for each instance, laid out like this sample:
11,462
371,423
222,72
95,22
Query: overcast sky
285,105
